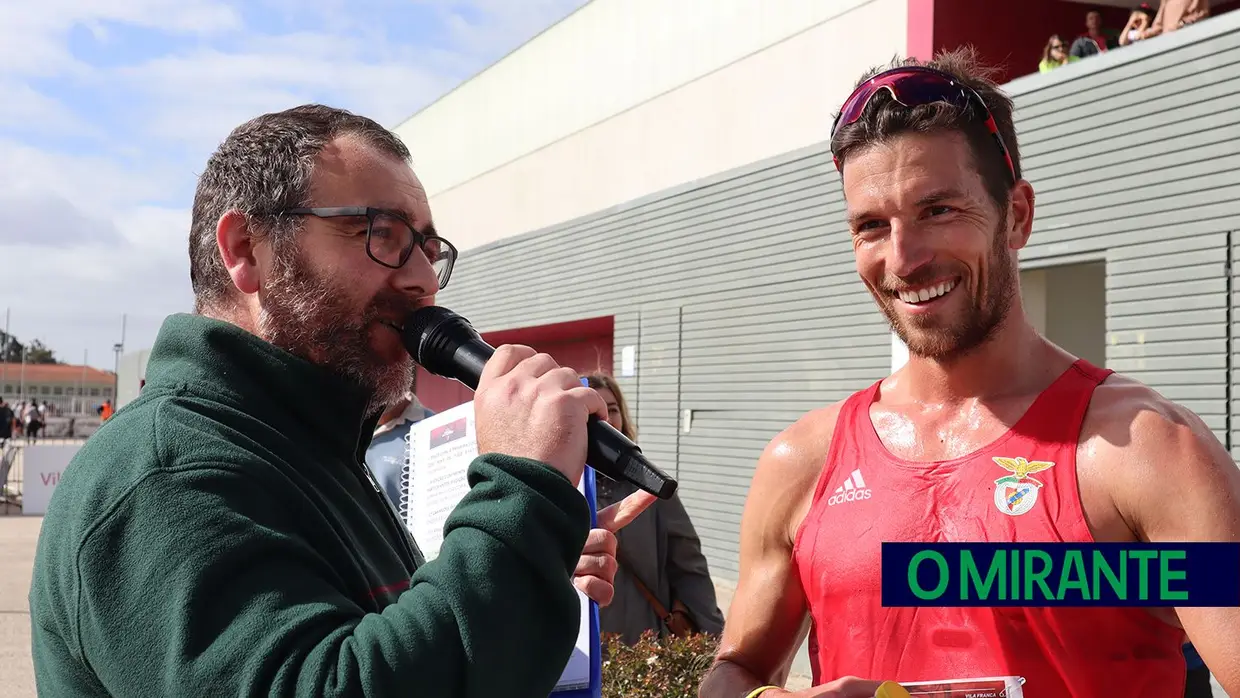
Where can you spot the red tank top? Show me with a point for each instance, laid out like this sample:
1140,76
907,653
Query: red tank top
866,496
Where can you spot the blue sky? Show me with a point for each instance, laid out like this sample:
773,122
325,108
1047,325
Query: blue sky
111,107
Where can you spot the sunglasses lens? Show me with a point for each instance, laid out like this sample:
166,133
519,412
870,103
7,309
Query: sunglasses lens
911,88
917,90
856,104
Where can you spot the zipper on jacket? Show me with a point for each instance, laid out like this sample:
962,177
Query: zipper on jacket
411,546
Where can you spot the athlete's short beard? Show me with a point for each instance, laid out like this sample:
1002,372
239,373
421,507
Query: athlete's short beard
303,313
986,312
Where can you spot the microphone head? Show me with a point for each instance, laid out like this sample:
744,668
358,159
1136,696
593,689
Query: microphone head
433,334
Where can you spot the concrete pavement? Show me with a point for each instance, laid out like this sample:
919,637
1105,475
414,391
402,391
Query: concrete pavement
18,535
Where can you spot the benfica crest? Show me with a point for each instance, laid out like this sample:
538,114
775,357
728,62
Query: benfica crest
1016,494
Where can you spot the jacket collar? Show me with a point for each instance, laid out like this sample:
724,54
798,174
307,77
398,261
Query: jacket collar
214,358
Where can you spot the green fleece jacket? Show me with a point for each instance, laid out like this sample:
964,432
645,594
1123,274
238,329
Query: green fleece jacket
221,536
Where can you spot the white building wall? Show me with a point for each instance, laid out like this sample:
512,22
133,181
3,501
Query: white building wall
129,376
628,97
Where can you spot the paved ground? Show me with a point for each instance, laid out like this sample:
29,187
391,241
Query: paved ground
17,540
18,535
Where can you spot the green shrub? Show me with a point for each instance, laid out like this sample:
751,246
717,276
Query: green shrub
671,667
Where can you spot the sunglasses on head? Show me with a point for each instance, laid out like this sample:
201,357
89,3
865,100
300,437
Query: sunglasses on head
915,86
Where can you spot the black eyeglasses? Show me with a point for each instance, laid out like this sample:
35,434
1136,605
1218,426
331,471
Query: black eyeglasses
390,239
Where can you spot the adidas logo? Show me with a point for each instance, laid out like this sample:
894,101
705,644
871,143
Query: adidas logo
853,490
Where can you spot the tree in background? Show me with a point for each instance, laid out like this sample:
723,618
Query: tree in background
36,352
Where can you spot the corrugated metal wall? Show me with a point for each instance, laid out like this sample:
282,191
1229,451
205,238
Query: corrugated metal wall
740,295
1138,163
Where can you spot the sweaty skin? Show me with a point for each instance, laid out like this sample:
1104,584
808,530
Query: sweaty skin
1148,469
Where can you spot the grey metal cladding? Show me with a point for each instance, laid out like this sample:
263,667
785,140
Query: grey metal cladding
740,295
741,298
1136,157
1233,348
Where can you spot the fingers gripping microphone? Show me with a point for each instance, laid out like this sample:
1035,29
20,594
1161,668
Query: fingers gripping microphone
445,344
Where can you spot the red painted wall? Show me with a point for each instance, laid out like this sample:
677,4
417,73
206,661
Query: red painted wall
1009,34
584,345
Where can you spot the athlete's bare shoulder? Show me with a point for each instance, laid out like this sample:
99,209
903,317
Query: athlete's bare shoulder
788,470
1129,419
1151,456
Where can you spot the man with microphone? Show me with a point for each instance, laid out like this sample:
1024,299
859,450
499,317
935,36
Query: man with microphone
221,535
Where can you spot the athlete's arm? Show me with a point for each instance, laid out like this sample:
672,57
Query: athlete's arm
1172,481
768,616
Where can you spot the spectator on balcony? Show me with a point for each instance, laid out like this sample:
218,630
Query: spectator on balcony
1138,22
1095,40
1054,55
1176,14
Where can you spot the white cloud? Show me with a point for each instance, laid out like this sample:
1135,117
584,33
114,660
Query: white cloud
198,97
25,108
101,136
34,35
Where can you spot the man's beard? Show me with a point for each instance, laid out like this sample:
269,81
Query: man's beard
984,314
304,314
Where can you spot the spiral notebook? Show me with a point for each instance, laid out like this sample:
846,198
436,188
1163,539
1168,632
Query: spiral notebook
438,451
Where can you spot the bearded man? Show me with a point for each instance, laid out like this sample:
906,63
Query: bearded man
937,211
222,534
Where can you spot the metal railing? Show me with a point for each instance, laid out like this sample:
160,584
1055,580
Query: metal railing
12,469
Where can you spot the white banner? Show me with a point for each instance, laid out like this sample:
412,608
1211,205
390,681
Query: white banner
41,470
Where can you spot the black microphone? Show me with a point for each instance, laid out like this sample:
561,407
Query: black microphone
445,344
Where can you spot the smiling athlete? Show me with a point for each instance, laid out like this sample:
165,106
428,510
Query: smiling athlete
945,449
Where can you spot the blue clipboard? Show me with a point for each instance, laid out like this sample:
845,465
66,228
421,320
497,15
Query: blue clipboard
596,649
595,689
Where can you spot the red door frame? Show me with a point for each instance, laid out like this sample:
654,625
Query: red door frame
585,345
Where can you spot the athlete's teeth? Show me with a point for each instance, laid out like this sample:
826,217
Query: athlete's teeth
926,294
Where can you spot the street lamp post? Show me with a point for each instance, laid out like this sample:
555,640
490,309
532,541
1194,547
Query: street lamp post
119,348
116,372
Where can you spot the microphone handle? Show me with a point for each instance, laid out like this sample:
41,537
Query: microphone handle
621,459
469,360
609,451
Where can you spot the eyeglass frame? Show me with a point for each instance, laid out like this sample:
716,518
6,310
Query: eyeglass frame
970,95
369,213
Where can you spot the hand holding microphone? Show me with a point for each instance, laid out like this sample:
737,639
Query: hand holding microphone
445,344
526,405
529,406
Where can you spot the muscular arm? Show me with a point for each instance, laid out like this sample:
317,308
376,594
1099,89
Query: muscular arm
1172,481
768,616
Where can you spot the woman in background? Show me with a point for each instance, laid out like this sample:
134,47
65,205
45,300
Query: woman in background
663,583
1054,55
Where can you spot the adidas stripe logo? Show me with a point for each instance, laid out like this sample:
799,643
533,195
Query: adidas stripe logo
853,490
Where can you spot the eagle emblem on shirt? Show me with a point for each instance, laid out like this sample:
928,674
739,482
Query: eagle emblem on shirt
1016,494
